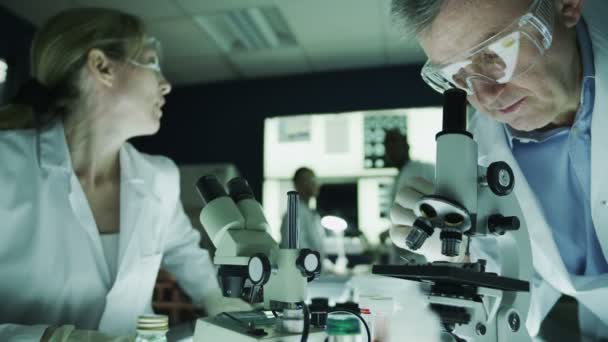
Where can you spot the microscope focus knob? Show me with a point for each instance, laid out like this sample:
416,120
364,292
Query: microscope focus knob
500,178
309,263
499,224
258,269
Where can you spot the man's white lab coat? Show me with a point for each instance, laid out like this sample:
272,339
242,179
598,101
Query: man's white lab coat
552,279
52,266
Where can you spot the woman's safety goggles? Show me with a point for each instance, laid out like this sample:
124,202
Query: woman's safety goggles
150,56
499,59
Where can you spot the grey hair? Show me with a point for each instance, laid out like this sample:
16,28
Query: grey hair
414,16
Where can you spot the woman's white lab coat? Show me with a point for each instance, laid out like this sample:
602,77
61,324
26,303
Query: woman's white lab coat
552,279
52,266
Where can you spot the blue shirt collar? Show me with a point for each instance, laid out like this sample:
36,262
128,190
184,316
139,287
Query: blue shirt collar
583,115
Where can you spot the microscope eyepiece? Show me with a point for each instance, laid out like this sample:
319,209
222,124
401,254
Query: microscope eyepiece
454,110
210,188
239,189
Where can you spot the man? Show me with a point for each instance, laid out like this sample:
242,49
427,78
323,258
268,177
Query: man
310,234
532,69
397,154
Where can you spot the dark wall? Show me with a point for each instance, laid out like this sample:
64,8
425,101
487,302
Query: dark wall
223,122
16,36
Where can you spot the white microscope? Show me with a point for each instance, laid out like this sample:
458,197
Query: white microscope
252,265
474,203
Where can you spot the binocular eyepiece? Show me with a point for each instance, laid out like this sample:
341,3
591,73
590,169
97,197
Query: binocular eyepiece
209,188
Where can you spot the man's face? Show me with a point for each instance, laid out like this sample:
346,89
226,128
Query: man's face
547,93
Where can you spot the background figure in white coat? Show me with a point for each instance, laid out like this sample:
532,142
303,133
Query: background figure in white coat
311,233
397,154
539,95
86,219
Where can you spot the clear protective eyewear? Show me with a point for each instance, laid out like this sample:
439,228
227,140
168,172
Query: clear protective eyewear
499,59
150,56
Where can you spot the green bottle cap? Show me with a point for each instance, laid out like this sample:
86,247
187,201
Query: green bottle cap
343,325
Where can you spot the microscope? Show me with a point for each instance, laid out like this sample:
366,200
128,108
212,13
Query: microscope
252,266
472,207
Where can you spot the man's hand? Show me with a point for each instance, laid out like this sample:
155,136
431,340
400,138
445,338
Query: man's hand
402,213
403,217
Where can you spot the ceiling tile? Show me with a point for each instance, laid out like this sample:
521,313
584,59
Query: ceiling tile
321,21
182,37
274,62
199,69
332,34
36,12
148,9
194,7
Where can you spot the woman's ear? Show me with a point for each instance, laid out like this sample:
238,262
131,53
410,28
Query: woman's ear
101,67
570,11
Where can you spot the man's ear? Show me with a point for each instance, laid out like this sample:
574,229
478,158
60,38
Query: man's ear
570,11
101,67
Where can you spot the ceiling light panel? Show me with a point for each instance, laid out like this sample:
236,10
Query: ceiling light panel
250,29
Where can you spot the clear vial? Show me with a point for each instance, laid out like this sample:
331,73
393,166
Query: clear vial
151,337
152,328
343,327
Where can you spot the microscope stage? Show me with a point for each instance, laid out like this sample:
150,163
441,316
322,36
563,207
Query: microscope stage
448,275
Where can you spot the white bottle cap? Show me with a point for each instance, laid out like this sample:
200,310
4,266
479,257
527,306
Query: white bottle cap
153,323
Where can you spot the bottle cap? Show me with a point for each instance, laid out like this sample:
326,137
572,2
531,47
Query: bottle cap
150,323
343,324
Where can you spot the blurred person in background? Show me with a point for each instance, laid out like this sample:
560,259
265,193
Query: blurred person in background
397,154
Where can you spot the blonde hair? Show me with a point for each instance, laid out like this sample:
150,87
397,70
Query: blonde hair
58,56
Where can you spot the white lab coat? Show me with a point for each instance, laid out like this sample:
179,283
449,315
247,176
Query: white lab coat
552,279
52,267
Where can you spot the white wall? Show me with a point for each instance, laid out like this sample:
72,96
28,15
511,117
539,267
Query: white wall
333,146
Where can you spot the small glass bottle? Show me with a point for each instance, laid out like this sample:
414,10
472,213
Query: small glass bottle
343,327
152,328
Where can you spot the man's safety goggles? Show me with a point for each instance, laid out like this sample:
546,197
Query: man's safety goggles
499,59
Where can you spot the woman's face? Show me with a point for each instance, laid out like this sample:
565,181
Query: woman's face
140,95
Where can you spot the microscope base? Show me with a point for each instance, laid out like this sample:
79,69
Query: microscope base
470,303
225,328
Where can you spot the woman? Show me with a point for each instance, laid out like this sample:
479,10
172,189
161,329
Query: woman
86,219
